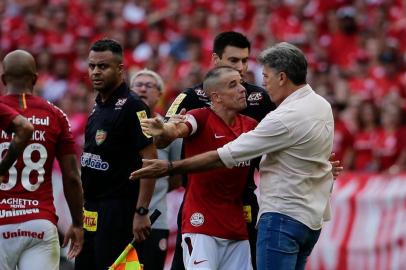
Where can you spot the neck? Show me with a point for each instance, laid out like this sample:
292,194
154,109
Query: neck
108,92
16,89
228,116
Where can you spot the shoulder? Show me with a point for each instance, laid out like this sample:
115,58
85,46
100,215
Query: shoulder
194,90
200,112
248,119
49,106
131,100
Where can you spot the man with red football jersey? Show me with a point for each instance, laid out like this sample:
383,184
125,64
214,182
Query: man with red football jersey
28,233
214,233
12,121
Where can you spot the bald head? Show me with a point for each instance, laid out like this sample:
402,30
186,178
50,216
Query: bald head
19,71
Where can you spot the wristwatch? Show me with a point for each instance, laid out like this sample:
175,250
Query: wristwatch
142,211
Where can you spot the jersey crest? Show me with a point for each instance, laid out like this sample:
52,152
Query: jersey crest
101,136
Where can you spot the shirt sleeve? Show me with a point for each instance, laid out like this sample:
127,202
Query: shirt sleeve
7,115
270,135
66,142
137,111
186,100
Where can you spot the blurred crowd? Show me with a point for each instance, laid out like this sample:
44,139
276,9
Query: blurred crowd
356,51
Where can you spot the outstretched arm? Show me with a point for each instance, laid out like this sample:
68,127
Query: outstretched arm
23,132
73,191
157,168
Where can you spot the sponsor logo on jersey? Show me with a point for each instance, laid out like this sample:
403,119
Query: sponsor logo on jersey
93,161
18,203
197,219
20,233
200,92
255,97
39,121
143,115
175,105
101,136
18,212
90,220
120,102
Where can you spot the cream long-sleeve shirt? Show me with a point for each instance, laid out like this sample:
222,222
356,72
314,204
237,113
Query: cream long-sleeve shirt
295,142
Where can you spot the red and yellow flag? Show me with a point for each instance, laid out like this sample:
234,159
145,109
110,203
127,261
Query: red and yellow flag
128,260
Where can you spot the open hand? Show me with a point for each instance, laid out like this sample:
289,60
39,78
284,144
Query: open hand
152,168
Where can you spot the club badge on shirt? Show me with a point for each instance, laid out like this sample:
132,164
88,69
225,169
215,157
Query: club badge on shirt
197,219
101,136
143,115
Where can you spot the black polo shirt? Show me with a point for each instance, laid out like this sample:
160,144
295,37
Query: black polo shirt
113,138
258,102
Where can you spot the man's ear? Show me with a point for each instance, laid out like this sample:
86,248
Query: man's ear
121,68
34,78
215,58
215,96
283,78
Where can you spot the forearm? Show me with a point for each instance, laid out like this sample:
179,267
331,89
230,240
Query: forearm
170,132
202,162
72,188
147,187
22,135
74,197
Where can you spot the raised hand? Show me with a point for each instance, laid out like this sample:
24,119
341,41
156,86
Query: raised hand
178,118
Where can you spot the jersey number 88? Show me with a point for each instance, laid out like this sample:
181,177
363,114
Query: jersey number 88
29,166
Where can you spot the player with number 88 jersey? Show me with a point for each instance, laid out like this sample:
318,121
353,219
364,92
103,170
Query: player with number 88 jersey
27,193
28,233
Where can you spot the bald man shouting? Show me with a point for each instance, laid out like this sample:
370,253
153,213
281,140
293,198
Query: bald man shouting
28,233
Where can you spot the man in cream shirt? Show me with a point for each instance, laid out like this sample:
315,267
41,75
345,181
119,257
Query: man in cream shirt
295,142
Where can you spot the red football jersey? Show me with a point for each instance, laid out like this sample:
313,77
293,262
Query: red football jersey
213,200
7,115
26,194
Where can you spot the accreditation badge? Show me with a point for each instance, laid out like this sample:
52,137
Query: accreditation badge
143,115
247,213
90,220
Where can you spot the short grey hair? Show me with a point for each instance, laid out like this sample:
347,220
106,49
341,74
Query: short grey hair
212,76
153,74
287,58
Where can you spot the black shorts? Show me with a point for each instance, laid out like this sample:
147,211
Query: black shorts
152,251
112,234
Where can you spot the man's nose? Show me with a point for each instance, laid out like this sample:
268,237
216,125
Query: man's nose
239,66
